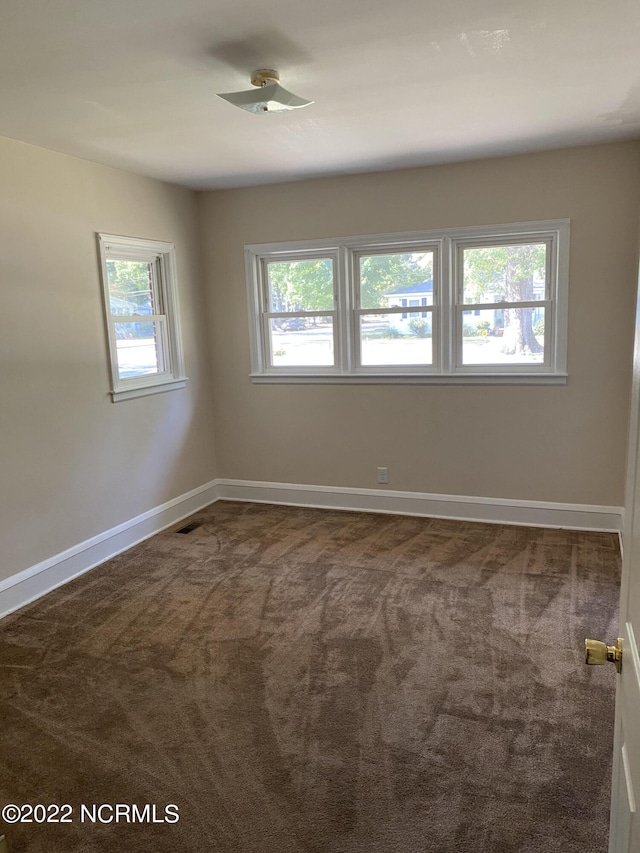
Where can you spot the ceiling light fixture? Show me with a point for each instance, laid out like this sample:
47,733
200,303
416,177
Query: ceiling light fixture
269,97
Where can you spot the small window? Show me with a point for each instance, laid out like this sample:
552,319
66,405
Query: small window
141,308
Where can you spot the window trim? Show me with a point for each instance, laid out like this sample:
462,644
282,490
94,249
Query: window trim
266,314
355,253
552,286
162,255
446,368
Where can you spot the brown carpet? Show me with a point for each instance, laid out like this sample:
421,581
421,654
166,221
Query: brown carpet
310,681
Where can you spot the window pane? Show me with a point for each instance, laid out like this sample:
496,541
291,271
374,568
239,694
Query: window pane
301,285
302,342
515,273
504,336
138,349
388,339
130,287
387,280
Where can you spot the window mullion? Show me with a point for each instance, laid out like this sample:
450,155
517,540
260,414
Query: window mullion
405,309
447,284
156,286
267,354
492,306
259,302
345,296
275,315
137,318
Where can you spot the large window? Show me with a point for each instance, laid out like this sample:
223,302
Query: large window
141,307
461,305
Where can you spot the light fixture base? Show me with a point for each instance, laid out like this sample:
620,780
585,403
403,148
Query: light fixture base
265,76
270,96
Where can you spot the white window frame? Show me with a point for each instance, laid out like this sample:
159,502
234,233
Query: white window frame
446,311
161,255
354,254
265,314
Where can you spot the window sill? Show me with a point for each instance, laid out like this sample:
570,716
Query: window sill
147,390
410,379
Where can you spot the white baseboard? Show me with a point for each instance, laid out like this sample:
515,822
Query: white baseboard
36,581
493,510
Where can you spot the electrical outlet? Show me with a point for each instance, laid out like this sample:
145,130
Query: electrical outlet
383,476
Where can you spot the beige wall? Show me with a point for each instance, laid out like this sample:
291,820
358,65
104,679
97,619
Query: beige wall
72,463
563,444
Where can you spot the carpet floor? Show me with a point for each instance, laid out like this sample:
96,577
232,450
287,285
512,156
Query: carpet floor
313,681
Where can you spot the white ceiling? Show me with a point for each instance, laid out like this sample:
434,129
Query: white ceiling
132,83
